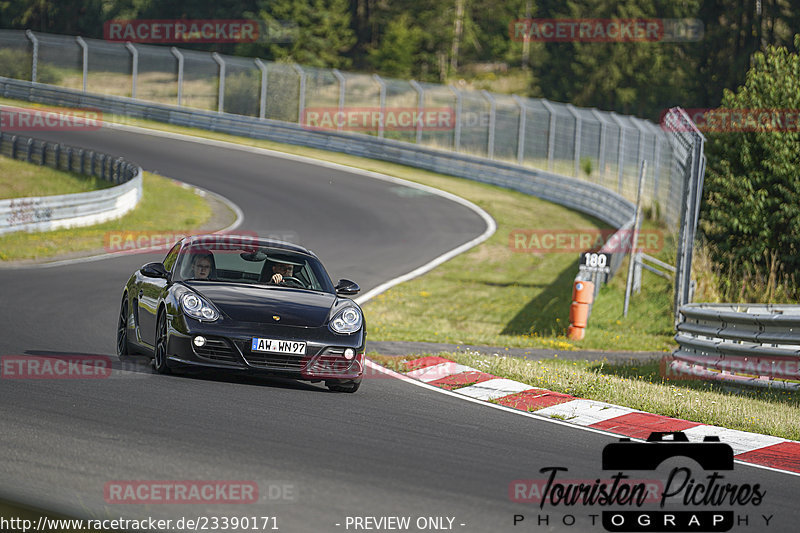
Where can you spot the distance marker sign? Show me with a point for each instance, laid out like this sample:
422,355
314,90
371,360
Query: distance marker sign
595,262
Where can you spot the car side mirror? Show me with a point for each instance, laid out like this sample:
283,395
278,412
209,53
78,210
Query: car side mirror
155,270
345,287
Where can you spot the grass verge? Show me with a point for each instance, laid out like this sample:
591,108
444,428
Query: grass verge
166,206
641,385
493,294
20,179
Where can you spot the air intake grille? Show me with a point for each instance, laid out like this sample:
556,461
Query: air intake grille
217,350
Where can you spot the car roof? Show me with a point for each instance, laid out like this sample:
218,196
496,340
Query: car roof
249,240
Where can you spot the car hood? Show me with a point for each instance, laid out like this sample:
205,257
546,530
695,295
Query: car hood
247,303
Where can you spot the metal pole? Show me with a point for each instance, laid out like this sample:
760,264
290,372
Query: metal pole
656,166
262,107
521,132
35,59
134,68
634,238
459,107
179,56
420,105
342,83
492,122
221,94
576,144
85,48
620,158
551,134
301,104
601,150
382,102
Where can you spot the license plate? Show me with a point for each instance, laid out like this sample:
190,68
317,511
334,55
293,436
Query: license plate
278,346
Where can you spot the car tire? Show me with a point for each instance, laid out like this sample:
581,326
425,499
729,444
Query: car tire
160,352
123,349
343,386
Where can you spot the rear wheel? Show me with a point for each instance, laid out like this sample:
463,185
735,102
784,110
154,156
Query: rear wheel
122,329
160,355
343,385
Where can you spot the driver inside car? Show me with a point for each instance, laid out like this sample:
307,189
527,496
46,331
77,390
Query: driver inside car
202,266
279,271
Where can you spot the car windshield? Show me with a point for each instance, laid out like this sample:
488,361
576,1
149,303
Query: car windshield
274,267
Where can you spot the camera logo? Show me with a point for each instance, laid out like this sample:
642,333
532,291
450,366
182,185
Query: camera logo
711,454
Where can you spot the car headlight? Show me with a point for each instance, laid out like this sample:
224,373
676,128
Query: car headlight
348,320
196,307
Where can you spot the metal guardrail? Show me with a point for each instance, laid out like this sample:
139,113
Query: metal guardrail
577,194
753,344
69,210
590,145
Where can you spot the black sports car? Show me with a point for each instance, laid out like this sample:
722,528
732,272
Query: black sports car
241,303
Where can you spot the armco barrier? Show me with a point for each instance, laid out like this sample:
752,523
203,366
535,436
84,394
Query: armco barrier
755,344
69,210
577,194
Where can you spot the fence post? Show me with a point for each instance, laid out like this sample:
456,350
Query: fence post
179,56
551,134
221,92
420,106
620,152
35,58
381,102
85,48
634,238
262,106
601,151
576,144
492,122
459,107
521,131
301,103
342,83
134,66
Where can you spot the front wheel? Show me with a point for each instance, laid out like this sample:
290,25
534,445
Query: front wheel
122,329
160,355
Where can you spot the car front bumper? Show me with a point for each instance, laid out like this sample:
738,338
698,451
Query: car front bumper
228,346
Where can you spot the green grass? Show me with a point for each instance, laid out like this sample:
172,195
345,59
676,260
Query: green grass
491,295
166,206
642,386
20,179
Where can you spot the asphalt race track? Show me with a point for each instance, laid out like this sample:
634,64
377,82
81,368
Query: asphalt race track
390,450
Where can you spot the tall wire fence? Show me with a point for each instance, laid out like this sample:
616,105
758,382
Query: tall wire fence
602,148
597,146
